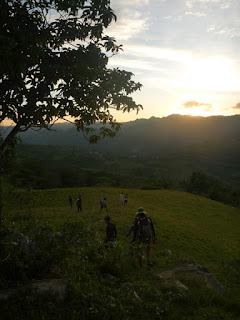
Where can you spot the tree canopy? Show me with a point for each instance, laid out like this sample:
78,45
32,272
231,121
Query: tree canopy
54,56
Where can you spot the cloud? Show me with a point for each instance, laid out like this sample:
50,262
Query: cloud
132,2
132,19
158,53
200,8
194,104
228,32
137,64
195,14
237,106
181,69
174,18
224,4
128,27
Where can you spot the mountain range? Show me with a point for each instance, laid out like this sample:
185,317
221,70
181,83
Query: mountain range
172,146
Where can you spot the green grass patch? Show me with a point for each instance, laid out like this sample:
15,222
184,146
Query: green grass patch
194,228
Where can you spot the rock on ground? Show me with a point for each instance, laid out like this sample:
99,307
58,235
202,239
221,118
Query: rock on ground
169,276
57,287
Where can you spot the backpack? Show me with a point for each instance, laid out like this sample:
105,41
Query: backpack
144,231
111,232
103,203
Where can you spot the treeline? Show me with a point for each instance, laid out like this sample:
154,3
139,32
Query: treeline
35,174
210,187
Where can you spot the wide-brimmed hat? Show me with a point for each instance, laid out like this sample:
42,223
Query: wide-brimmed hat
140,211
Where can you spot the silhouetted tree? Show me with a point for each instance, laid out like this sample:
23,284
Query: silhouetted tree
54,56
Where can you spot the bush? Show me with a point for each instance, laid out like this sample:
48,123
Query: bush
29,257
204,185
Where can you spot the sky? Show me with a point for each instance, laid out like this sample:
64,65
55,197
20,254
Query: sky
184,52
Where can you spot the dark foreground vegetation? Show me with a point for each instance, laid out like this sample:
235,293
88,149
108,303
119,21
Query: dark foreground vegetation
54,263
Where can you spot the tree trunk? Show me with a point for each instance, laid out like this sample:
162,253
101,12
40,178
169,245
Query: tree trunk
3,148
8,140
1,202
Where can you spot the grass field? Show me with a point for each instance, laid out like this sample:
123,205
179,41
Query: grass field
194,228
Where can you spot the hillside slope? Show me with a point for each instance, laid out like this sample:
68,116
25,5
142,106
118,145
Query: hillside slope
193,227
105,284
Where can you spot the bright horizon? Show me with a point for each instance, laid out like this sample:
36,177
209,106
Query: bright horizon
7,123
184,52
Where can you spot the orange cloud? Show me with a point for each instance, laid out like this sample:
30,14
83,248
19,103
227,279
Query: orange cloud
237,106
194,104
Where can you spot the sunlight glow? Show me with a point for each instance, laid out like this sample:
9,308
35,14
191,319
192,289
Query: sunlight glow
196,111
210,74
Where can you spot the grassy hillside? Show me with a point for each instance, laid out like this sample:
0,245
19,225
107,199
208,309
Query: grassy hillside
195,229
191,226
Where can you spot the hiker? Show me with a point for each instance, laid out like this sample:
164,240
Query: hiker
111,232
103,204
70,201
125,201
121,198
143,234
79,203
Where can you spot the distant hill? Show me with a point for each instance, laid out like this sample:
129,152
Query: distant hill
173,147
154,135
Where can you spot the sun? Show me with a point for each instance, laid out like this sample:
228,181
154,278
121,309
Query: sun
204,79
209,74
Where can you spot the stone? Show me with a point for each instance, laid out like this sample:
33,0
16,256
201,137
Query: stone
167,252
214,284
168,277
109,277
6,294
136,295
58,287
180,285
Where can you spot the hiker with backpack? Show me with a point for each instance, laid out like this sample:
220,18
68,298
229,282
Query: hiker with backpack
79,203
125,202
103,204
111,232
121,198
143,234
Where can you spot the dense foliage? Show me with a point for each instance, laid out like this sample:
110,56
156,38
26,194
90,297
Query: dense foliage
54,56
68,167
200,183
